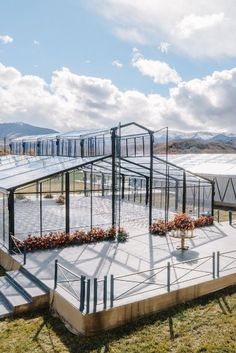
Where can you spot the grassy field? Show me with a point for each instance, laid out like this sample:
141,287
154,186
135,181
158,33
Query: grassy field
2,271
206,325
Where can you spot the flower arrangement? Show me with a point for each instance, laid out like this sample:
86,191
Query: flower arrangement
204,221
122,235
181,222
60,200
78,237
48,196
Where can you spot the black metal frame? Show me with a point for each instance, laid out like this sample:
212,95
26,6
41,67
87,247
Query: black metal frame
119,165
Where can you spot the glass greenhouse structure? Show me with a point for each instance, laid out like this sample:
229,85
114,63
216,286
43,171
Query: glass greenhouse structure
93,178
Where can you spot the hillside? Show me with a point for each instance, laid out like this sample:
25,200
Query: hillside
12,130
197,146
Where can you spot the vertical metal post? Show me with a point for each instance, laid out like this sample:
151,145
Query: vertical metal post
24,261
105,292
67,202
58,146
38,148
11,213
213,265
40,210
113,186
88,296
5,145
198,200
91,197
95,294
151,179
184,193
55,273
123,187
82,293
176,195
230,218
103,184
212,198
111,290
218,216
147,188
218,264
168,276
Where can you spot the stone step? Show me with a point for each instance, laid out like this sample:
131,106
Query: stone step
37,281
5,307
25,284
12,294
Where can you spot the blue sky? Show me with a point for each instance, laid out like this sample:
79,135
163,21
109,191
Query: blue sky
97,39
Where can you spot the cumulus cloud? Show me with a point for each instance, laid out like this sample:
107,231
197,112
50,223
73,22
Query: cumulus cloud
117,63
159,71
132,35
6,39
36,42
70,101
164,47
196,28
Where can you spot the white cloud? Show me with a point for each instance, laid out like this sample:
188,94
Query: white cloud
132,35
159,71
164,47
6,39
36,42
192,23
196,28
71,101
117,63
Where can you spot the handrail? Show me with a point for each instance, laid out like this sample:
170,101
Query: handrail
15,239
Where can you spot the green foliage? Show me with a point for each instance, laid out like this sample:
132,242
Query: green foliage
206,325
2,271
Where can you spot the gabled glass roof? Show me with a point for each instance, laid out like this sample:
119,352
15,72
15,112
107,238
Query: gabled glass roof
26,170
206,164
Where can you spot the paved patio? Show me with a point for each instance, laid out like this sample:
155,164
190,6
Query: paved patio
142,252
27,214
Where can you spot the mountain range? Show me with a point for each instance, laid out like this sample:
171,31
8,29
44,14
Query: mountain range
13,130
178,141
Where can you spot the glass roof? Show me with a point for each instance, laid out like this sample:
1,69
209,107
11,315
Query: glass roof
206,164
17,170
26,170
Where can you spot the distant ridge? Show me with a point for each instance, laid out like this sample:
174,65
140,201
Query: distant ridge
197,146
13,130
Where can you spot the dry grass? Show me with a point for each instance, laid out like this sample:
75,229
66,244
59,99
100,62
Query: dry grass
206,325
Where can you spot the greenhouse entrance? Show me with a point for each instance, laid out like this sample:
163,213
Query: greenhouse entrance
110,179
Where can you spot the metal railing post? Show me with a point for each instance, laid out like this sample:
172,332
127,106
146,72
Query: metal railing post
105,292
82,293
230,218
55,274
24,262
95,294
213,264
168,276
218,216
88,296
112,291
218,264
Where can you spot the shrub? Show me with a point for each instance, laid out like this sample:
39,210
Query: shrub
20,197
122,235
60,200
78,237
48,196
181,222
